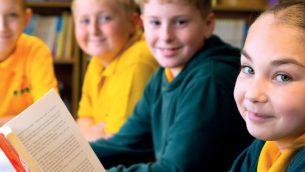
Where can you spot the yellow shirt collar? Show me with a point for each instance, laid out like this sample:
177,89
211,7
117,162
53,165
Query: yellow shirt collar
169,75
272,159
111,68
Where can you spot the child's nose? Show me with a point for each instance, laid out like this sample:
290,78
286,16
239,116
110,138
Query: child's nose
94,28
256,91
167,33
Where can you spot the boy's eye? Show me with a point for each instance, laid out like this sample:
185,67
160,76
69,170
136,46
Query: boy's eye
247,70
180,23
84,21
282,78
154,22
104,19
12,15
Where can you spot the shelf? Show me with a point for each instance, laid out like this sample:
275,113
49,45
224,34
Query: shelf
247,9
247,13
216,8
49,4
63,62
49,8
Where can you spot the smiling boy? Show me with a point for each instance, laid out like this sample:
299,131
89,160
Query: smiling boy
186,119
26,65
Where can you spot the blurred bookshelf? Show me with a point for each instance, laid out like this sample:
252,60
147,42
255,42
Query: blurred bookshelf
51,4
233,18
52,22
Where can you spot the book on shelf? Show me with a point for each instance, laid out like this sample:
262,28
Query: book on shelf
45,137
69,40
65,38
56,32
60,42
45,29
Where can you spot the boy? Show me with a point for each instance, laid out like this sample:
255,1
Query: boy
186,119
26,67
270,90
121,65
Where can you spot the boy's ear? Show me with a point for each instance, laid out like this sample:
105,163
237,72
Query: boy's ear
28,16
210,23
137,20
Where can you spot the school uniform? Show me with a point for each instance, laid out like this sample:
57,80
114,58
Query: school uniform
25,75
189,124
249,158
110,93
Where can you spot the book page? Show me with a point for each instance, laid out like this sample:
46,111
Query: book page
51,136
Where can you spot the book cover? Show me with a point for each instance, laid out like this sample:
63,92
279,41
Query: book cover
13,157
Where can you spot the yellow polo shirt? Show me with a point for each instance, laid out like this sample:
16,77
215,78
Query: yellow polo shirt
109,95
25,75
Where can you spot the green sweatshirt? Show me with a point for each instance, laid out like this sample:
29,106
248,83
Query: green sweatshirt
191,124
247,161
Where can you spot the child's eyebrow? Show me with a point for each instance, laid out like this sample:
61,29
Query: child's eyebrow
150,16
245,54
282,61
286,60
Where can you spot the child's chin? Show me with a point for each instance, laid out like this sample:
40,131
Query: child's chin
259,135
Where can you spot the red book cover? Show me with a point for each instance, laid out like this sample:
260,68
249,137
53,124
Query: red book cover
12,155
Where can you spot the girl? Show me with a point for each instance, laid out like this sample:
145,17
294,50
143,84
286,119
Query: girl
270,90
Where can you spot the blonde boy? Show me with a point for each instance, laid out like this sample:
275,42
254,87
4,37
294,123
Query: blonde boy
26,67
186,119
121,64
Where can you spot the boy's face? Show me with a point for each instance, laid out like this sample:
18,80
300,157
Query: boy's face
174,31
102,27
13,20
270,89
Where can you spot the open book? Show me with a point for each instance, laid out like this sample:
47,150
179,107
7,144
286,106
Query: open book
45,137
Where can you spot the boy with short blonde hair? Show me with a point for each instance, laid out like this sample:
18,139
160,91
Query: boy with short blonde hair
186,119
26,66
121,64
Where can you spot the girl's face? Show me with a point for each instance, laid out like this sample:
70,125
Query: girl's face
102,27
13,20
175,31
270,89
